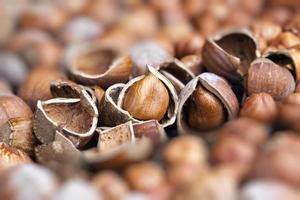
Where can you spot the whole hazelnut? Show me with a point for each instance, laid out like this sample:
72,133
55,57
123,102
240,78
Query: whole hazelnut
266,76
110,185
145,176
187,149
261,107
147,99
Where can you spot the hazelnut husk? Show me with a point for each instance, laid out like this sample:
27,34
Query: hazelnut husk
261,107
18,133
112,106
74,114
10,156
37,85
177,73
124,144
17,181
94,64
230,53
205,99
288,58
266,76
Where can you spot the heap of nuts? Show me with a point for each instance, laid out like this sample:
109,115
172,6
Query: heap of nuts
158,100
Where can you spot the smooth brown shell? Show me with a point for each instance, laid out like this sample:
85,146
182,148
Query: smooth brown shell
116,70
217,86
266,76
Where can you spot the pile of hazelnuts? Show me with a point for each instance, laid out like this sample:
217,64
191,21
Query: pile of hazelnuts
149,99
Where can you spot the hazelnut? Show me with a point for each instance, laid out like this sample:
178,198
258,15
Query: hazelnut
5,87
205,103
200,102
248,130
110,185
147,99
37,85
261,107
189,45
193,62
145,176
19,183
279,159
266,76
187,149
286,40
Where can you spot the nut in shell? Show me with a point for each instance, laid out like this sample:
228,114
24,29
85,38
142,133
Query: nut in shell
204,99
230,53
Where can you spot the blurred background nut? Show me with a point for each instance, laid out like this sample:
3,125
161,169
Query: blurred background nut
279,159
144,176
37,85
12,68
19,183
5,87
261,107
77,189
110,185
186,149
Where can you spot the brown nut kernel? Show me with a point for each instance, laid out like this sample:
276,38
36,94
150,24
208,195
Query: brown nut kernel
230,53
18,180
145,176
216,103
37,85
266,76
201,101
147,99
10,156
261,107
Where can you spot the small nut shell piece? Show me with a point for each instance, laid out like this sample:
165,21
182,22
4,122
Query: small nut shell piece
75,118
230,53
266,76
94,64
214,84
